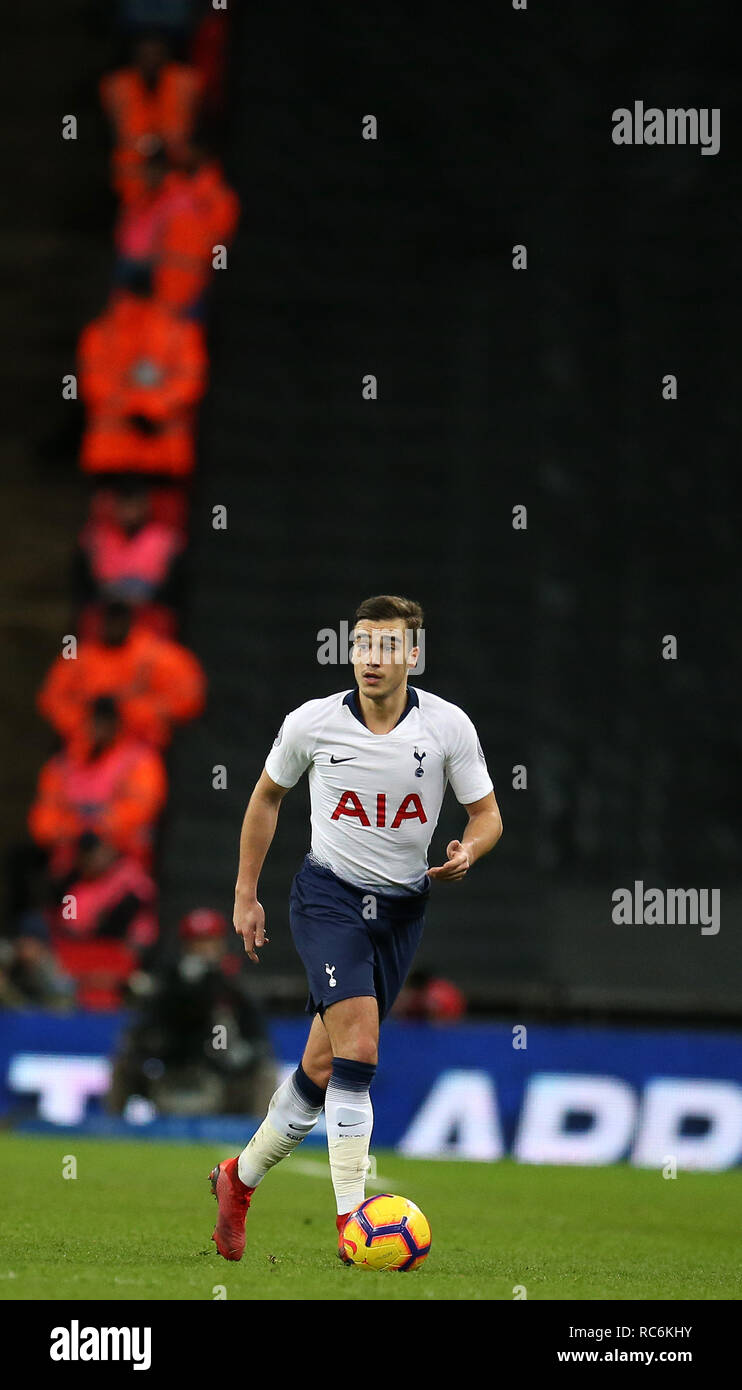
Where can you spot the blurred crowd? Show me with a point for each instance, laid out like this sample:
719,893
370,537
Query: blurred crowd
84,921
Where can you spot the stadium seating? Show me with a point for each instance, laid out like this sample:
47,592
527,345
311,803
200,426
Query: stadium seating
100,970
143,368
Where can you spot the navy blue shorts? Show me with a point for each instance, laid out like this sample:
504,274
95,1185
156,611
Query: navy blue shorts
345,953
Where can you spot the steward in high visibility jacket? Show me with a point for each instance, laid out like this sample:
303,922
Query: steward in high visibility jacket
139,224
204,217
142,372
128,554
153,101
105,781
156,682
115,897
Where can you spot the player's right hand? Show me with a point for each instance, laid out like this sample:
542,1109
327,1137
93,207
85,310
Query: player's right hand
249,923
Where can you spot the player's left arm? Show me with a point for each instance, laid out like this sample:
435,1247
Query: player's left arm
483,830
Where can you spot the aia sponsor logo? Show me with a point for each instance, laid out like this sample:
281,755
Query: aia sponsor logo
351,805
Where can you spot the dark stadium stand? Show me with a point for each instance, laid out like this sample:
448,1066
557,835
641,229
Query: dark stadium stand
350,263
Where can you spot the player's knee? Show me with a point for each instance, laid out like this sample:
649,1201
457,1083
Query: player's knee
362,1047
319,1072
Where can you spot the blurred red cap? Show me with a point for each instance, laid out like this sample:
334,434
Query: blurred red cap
201,923
445,1000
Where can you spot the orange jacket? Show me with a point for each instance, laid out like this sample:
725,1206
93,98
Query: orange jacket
139,359
119,794
156,683
205,216
140,116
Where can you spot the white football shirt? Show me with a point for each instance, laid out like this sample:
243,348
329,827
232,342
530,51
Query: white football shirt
376,798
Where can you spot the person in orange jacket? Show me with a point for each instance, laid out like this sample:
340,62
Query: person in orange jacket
156,682
142,371
153,100
105,781
201,212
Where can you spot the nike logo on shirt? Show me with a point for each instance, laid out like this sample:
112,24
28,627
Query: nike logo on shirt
333,759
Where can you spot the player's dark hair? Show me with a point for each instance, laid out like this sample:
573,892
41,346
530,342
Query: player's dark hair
385,606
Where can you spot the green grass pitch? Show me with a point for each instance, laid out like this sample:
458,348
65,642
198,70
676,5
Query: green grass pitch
136,1224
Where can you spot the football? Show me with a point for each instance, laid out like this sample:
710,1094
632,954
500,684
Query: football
387,1232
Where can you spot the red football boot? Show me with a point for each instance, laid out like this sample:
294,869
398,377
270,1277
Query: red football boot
234,1200
340,1223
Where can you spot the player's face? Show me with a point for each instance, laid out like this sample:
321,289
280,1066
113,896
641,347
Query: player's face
381,655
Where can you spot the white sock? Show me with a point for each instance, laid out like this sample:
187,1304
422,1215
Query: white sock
290,1119
350,1120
